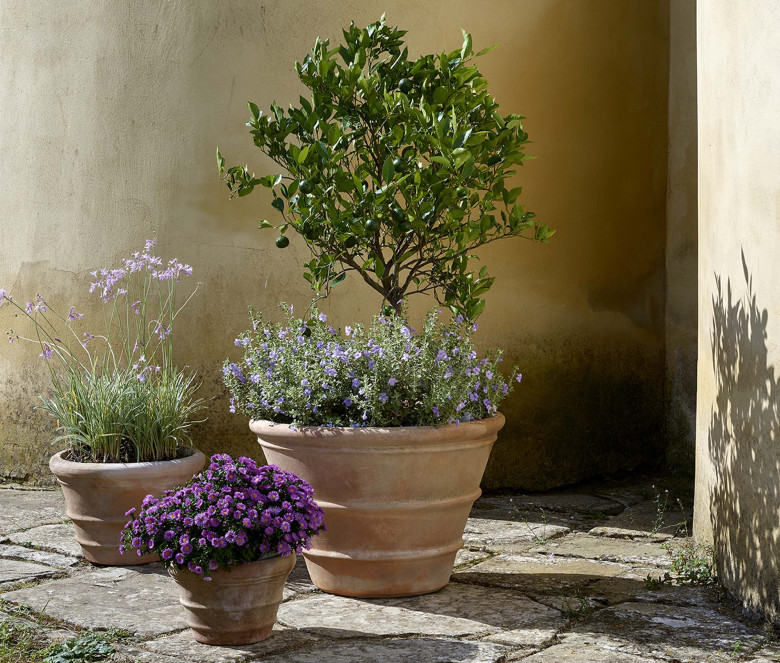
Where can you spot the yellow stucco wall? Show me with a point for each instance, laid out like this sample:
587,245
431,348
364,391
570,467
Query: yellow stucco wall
110,115
738,416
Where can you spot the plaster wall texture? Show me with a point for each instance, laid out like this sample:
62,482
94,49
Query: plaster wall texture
738,416
110,115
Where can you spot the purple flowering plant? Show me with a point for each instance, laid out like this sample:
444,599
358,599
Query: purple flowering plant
116,394
232,513
307,373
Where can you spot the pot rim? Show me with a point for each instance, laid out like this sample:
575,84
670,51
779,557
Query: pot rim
238,569
60,465
447,432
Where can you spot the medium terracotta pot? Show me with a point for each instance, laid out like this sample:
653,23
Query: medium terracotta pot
97,496
396,500
239,605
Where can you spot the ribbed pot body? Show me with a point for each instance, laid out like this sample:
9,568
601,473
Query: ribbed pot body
97,496
239,605
396,500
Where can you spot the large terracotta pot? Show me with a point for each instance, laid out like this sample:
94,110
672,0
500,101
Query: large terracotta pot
239,605
97,496
396,500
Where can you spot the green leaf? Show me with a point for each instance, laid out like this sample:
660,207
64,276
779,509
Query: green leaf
278,203
338,279
513,195
255,111
487,50
388,170
465,51
440,95
379,267
302,155
264,224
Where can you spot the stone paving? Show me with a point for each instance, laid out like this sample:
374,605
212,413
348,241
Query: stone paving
548,578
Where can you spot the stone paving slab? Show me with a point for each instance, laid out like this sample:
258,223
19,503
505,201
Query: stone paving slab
501,535
539,575
670,633
583,652
57,538
142,600
645,517
183,647
564,583
467,557
608,550
52,634
768,654
456,610
404,650
23,509
567,503
13,571
39,556
299,581
631,586
620,533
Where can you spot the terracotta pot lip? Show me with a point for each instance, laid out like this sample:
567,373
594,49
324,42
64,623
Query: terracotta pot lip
238,569
466,429
59,464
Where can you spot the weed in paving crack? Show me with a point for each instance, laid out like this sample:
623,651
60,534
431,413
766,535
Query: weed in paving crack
692,564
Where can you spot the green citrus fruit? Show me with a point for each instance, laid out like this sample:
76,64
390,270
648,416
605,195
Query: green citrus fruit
282,241
305,186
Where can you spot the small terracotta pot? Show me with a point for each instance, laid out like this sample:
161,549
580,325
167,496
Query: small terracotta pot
396,500
239,605
97,496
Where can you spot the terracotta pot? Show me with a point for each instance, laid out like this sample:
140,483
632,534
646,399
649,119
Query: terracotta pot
396,500
239,605
97,496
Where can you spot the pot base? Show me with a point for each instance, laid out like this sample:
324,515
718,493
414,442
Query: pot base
377,578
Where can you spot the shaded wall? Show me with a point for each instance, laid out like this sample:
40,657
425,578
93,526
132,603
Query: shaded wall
738,420
110,115
681,300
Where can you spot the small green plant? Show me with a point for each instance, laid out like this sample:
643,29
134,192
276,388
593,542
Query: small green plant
539,539
576,609
662,500
88,646
661,504
395,169
736,650
20,642
692,563
657,583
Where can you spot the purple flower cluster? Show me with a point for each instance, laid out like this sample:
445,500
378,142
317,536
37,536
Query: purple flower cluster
233,512
109,281
388,374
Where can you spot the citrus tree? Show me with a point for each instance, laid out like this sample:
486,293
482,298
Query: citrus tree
394,168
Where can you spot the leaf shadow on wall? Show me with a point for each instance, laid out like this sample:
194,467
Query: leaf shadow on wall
744,440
